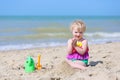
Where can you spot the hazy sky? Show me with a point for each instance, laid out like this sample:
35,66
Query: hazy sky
60,7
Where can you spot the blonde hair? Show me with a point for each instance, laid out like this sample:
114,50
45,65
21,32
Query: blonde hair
79,25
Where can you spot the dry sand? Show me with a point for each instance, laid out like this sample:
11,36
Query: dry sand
103,64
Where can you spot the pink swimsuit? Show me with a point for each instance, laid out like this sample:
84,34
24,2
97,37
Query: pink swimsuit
77,56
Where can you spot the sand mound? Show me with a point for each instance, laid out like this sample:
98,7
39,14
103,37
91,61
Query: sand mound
64,69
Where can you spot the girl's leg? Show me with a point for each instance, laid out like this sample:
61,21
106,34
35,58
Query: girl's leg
76,64
80,62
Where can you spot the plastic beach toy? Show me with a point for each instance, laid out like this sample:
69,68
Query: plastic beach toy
79,44
29,65
38,65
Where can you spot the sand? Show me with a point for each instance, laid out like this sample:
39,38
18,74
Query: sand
103,64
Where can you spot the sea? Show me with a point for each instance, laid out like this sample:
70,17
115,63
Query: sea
27,32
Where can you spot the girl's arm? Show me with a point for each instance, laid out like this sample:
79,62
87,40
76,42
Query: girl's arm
69,47
83,49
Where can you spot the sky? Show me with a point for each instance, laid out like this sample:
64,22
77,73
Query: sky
60,7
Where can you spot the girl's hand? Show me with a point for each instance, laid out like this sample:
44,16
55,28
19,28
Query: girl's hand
70,46
74,42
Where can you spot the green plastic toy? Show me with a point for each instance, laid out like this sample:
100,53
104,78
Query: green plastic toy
29,65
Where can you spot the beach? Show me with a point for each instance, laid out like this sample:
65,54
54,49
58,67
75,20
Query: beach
103,64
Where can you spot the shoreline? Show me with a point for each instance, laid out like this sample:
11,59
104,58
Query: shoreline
28,47
103,64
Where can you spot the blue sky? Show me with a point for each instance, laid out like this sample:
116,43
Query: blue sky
60,7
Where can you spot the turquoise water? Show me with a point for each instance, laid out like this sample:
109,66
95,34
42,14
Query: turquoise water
24,32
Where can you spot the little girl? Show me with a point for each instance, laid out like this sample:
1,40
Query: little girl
77,55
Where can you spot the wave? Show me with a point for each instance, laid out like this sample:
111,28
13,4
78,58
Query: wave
94,34
30,46
103,34
55,39
58,35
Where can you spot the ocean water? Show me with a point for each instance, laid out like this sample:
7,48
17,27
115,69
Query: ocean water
25,32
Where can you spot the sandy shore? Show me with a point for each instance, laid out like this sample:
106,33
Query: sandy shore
103,64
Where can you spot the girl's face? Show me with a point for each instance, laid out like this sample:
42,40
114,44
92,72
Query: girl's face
77,34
